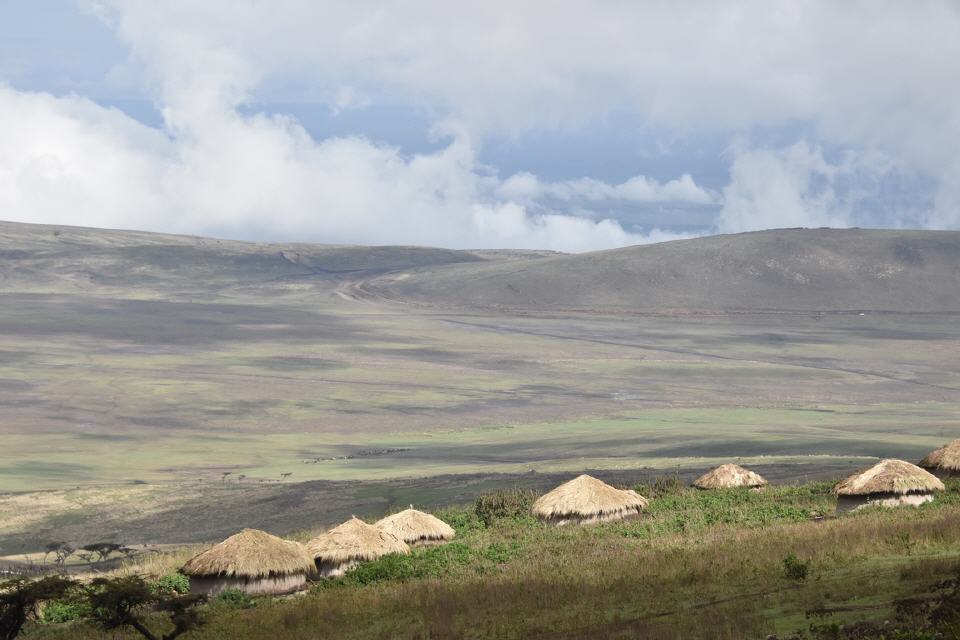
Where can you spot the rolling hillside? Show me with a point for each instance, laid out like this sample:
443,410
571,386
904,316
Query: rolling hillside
791,269
46,258
139,366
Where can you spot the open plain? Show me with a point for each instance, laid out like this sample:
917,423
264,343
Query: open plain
146,377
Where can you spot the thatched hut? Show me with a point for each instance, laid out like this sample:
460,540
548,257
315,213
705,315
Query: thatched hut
889,483
945,461
730,476
416,528
252,561
343,547
586,500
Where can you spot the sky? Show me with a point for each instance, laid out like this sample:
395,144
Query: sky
568,125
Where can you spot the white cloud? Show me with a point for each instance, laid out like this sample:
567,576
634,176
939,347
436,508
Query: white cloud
525,186
872,79
798,186
69,161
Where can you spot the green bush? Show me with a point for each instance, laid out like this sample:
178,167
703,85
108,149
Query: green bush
795,569
429,562
173,584
504,504
59,611
235,599
500,552
463,520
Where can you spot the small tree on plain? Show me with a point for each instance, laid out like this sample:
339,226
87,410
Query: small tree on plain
61,551
102,549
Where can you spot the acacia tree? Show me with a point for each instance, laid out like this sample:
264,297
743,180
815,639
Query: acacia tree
125,601
62,551
102,549
20,597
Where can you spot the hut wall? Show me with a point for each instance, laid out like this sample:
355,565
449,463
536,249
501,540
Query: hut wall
595,519
265,586
944,474
852,503
425,542
328,569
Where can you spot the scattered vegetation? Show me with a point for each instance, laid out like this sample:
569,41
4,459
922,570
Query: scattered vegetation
795,569
724,564
235,599
172,584
931,616
504,504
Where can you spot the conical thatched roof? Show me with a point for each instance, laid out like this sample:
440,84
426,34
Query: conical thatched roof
251,554
728,476
889,476
946,457
354,540
585,496
412,526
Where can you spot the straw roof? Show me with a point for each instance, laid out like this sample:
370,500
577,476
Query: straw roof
354,540
585,496
728,476
946,457
251,554
412,526
889,476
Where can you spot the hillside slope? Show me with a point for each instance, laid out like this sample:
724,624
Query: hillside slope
792,269
45,258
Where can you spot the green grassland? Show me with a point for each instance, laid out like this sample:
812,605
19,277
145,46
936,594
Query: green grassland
659,438
696,565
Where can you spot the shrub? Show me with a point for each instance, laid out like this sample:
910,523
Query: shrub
390,567
173,584
59,611
795,569
235,599
463,520
430,562
503,504
661,486
501,553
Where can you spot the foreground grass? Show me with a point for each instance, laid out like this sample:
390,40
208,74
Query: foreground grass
699,565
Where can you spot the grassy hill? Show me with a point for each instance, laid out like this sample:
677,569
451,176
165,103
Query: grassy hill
46,258
786,269
731,564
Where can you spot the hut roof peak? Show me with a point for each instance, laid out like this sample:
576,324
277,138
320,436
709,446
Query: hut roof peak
586,496
727,476
251,553
946,457
354,540
889,476
411,526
